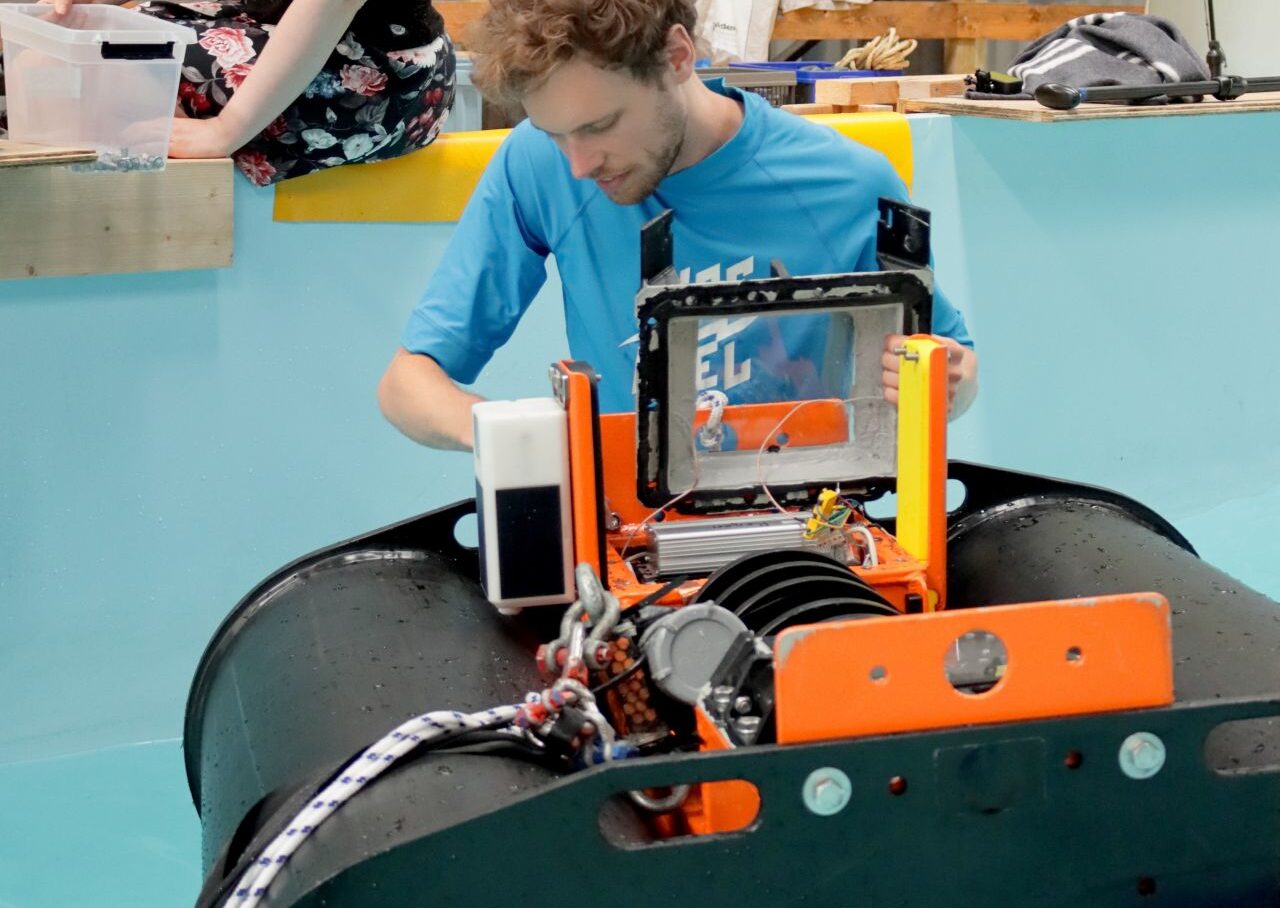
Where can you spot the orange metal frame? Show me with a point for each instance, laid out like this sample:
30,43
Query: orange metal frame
896,577
884,675
880,675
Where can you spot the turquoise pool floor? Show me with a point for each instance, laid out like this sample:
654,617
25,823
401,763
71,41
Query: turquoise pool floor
106,829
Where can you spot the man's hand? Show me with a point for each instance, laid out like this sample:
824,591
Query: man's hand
962,372
199,139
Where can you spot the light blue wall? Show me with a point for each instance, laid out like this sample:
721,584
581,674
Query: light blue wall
169,439
1121,279
166,440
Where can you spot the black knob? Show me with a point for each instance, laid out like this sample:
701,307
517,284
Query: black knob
1058,97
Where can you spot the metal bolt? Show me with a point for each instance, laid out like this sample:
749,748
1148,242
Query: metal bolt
722,698
826,791
742,704
747,728
1141,755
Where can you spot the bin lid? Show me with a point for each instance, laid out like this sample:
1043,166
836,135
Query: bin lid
91,24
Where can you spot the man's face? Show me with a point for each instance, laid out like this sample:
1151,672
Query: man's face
614,128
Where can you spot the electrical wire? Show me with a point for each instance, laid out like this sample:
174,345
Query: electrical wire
764,445
872,558
772,433
693,457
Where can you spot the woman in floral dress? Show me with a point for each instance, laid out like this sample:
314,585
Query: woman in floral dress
289,88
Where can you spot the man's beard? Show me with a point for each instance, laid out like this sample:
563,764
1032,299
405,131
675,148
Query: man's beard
640,184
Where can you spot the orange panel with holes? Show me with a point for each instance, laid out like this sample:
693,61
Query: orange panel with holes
817,422
885,675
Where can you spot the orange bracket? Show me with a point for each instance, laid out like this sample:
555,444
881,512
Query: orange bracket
885,675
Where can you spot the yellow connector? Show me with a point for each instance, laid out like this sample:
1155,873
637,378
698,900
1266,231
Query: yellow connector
822,511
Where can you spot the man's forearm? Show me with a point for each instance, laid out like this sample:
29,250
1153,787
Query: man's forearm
422,401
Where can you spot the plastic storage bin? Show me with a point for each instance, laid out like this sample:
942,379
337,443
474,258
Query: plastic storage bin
808,72
102,77
776,87
468,106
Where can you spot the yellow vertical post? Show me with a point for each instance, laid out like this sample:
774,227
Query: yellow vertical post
922,460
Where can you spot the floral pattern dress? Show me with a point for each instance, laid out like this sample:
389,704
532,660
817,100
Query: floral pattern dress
366,104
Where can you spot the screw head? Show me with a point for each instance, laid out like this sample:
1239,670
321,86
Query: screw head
722,698
827,791
1142,755
747,728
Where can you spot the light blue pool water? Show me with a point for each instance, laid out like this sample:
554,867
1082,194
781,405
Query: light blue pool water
169,439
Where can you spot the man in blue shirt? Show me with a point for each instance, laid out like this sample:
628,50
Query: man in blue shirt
620,128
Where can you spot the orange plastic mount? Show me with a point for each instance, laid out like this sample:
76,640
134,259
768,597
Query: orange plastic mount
885,675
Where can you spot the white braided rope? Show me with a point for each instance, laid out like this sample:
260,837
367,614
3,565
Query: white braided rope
253,884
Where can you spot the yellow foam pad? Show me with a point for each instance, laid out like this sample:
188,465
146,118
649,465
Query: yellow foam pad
433,185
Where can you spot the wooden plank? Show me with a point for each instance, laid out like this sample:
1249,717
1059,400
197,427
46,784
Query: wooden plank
805,110
913,19
458,16
24,154
886,89
944,86
1030,111
57,222
852,92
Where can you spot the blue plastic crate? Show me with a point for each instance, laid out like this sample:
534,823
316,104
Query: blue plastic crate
809,72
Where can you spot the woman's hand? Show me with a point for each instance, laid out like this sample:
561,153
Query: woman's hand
62,7
200,139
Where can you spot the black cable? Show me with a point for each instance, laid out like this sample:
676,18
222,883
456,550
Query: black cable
654,597
494,742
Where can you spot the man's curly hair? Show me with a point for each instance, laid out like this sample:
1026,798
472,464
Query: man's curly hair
517,43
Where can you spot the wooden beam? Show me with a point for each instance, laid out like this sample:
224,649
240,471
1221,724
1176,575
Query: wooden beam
1033,112
57,222
964,55
912,18
915,19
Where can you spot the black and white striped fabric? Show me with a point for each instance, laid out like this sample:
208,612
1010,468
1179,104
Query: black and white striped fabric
1108,49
